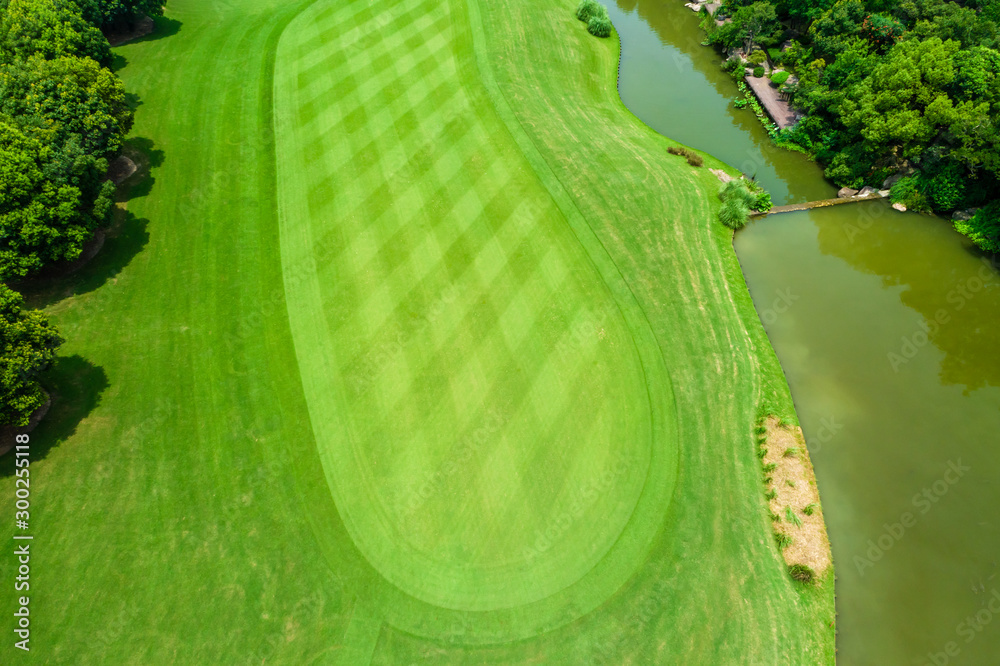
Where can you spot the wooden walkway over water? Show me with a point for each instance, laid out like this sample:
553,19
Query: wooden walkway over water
822,203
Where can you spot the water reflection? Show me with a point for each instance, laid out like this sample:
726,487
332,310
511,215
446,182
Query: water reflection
955,289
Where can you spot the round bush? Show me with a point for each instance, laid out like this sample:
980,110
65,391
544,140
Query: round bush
757,57
802,573
758,72
599,26
588,9
734,214
778,78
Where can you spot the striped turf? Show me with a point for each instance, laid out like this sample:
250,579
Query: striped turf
432,354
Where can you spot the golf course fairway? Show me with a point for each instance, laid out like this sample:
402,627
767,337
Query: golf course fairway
416,346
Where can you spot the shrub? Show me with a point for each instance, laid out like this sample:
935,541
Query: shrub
946,189
907,192
734,214
757,57
758,72
761,453
770,495
734,64
783,540
791,452
599,26
809,509
762,202
741,103
587,9
801,573
984,228
792,518
737,189
778,78
693,158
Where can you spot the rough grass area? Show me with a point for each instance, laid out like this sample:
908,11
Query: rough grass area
397,359
793,496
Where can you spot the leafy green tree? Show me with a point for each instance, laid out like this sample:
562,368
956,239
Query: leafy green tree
50,201
28,343
752,25
117,14
65,97
836,28
49,29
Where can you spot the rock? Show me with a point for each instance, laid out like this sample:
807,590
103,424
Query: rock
693,6
900,207
884,193
121,169
867,191
846,193
964,215
891,180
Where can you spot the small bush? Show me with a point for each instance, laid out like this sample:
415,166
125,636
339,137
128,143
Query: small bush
761,453
778,78
693,158
758,72
599,26
758,57
734,64
783,540
734,214
789,483
770,467
801,573
984,228
759,430
587,9
762,202
775,518
791,452
770,495
809,509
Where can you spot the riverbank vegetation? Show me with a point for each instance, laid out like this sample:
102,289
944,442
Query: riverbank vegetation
903,95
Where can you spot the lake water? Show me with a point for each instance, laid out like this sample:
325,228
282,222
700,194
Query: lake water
891,344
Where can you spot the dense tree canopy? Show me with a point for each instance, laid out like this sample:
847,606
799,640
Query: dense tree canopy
49,29
51,200
110,14
68,97
27,346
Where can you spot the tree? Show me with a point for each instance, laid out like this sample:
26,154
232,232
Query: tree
751,25
117,14
65,97
28,343
49,29
50,201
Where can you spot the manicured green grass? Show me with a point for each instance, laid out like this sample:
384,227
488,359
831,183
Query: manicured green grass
432,353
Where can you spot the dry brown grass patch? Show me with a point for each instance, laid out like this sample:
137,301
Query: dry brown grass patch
794,483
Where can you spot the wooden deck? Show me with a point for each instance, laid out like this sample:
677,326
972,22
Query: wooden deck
781,112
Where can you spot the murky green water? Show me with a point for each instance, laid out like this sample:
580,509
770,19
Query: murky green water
887,327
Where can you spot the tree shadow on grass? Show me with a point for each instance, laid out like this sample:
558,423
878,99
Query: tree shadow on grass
123,241
164,27
75,385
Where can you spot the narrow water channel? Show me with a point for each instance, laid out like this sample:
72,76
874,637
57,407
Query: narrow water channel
889,335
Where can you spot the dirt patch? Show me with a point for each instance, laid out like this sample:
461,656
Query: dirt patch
722,175
794,485
8,433
142,27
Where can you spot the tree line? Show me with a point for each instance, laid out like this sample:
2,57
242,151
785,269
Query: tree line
63,117
901,91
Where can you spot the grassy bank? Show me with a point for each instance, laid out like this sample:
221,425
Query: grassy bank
424,348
